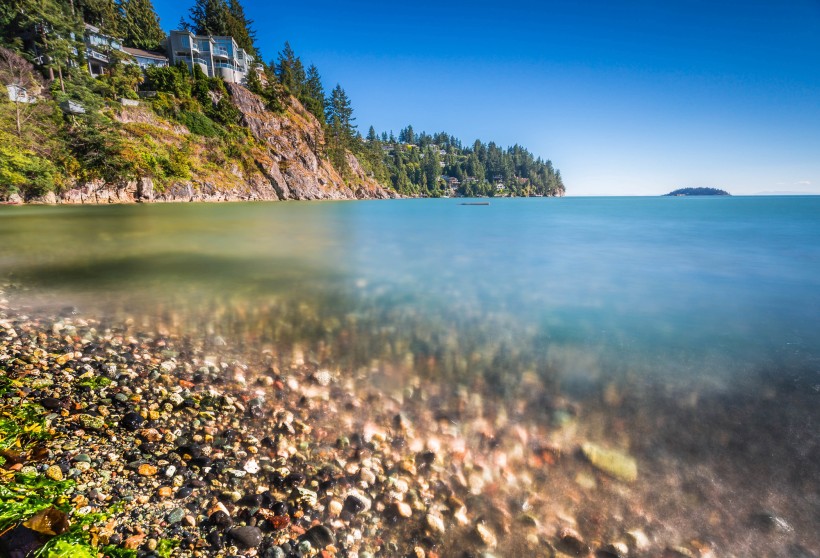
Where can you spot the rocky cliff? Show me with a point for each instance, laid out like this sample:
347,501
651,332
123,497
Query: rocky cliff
282,161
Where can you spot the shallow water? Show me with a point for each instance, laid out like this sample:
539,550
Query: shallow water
692,285
686,329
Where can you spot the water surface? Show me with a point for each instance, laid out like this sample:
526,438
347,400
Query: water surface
685,330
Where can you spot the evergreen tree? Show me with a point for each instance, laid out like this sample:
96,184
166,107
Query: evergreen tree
407,135
104,14
313,94
140,25
210,17
341,130
239,27
51,25
290,71
431,168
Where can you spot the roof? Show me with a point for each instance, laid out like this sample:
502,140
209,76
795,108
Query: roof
144,53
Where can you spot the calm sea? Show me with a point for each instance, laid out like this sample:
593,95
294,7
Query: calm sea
714,287
685,331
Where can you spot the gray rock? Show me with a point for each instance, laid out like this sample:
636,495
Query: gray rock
145,189
247,537
319,536
176,516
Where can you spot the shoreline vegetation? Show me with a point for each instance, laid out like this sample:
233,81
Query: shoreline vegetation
129,437
143,132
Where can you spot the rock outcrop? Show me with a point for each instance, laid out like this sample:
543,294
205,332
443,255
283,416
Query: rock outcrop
288,165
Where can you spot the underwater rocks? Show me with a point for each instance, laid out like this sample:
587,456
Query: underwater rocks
614,463
209,446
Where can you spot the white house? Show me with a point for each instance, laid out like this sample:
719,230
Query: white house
216,56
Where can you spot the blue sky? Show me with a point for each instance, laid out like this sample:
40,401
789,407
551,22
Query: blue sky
631,97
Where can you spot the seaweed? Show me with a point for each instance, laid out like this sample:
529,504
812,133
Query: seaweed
22,425
27,495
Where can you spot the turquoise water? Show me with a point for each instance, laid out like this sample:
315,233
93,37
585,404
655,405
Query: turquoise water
678,285
684,331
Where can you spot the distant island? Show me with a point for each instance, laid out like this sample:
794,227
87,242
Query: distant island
698,192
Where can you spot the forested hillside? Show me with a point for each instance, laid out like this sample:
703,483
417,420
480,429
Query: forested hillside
62,129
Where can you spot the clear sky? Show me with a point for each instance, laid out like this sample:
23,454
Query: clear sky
626,97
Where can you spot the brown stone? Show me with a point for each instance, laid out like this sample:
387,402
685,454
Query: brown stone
150,435
147,470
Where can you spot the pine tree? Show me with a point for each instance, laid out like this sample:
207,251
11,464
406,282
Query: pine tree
240,28
140,24
313,96
340,114
51,25
341,130
290,71
104,14
210,17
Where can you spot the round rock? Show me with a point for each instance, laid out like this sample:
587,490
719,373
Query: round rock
247,537
319,536
132,421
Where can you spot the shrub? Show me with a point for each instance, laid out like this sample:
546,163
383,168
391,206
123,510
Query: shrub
198,123
23,172
169,79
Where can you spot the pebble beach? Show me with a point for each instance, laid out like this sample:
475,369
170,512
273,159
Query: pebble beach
148,441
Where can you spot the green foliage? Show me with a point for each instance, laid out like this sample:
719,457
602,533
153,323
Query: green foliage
241,29
313,94
104,14
139,24
98,147
198,123
94,382
206,90
341,131
24,172
170,79
416,163
24,18
112,551
290,71
698,192
122,80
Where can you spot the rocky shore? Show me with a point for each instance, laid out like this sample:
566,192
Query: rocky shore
129,438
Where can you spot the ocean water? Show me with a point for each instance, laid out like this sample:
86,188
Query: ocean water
689,286
686,329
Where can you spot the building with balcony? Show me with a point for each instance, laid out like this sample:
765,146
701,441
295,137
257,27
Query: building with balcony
216,56
98,48
145,58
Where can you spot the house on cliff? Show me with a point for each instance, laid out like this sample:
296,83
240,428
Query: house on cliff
102,50
145,58
216,56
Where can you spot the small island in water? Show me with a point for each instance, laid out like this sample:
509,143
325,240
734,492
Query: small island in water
698,192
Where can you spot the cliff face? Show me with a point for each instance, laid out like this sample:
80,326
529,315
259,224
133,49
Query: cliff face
291,161
284,162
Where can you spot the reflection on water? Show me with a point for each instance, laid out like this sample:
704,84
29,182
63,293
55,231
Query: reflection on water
684,330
